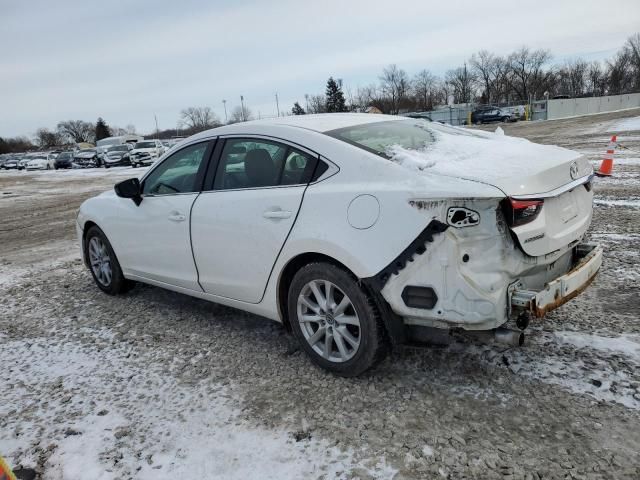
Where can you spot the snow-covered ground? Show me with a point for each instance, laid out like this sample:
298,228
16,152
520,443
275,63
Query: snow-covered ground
154,384
625,125
101,409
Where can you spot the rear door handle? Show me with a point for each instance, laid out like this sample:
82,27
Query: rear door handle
177,217
276,214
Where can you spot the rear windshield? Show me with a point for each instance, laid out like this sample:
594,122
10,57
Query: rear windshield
119,148
145,144
412,134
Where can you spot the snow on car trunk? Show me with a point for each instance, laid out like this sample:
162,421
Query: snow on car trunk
520,169
514,165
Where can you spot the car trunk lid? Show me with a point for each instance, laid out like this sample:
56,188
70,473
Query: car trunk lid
522,170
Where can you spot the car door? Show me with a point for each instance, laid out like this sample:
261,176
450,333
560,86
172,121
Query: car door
239,226
155,241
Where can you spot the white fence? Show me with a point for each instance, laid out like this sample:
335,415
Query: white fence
573,107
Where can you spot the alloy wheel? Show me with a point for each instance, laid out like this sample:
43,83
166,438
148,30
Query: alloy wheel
100,261
328,321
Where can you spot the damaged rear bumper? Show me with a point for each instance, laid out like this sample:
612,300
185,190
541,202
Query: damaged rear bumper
588,259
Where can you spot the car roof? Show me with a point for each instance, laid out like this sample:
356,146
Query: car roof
320,123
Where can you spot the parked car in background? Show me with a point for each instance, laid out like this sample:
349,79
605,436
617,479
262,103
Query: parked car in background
10,163
103,145
489,114
39,162
117,155
146,152
64,160
22,163
86,158
355,230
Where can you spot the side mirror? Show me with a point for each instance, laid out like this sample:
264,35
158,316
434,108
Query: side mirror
129,189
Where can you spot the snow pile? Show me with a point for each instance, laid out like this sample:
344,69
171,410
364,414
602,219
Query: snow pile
617,203
627,345
480,155
626,125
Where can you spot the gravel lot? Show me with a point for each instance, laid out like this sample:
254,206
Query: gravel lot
155,384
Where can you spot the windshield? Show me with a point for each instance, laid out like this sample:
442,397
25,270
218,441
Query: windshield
64,156
145,144
119,148
379,137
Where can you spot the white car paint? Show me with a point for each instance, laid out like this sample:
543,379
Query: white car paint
38,163
145,152
42,161
363,212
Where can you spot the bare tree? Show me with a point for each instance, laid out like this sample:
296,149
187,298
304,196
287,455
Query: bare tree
572,78
238,114
45,138
527,71
394,83
76,131
367,96
199,118
596,79
620,73
317,104
632,49
488,69
425,87
461,80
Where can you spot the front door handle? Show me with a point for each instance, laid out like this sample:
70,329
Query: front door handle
177,217
276,214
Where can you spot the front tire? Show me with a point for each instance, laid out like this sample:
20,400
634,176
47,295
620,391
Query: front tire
103,264
335,320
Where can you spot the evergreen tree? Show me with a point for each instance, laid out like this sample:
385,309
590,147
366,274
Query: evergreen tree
297,109
102,129
335,97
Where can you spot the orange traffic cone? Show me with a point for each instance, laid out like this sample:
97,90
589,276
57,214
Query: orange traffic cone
5,471
606,167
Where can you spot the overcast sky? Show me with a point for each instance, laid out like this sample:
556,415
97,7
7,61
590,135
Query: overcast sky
128,60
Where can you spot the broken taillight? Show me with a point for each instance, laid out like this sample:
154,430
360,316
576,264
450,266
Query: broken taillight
520,212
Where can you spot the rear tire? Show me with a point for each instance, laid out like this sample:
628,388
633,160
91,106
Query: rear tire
335,320
103,263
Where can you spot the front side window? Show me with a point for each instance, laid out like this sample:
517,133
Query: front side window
176,174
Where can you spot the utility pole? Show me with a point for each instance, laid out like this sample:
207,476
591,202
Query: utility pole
224,102
277,104
306,99
242,106
157,130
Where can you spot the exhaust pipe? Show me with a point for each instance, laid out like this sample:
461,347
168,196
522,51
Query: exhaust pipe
508,336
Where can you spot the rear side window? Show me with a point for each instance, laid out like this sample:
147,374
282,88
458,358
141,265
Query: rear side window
258,163
378,137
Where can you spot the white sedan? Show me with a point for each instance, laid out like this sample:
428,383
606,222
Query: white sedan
358,232
40,162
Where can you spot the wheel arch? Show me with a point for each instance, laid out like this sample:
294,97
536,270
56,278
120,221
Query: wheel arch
85,229
394,325
288,272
